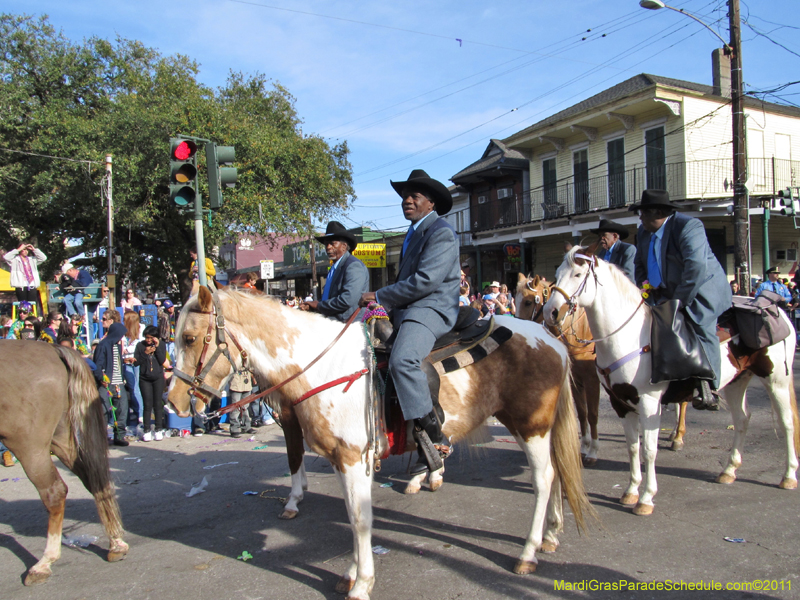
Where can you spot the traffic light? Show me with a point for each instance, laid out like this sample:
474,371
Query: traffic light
219,177
787,202
182,171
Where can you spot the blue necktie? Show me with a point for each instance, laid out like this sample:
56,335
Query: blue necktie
328,281
653,272
409,235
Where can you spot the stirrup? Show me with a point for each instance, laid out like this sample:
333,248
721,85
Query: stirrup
706,398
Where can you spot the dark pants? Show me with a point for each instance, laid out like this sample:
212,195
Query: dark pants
27,295
115,399
153,400
413,343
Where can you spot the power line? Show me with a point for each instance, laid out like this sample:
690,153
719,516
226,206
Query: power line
77,160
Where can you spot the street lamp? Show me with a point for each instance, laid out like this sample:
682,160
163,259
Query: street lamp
741,215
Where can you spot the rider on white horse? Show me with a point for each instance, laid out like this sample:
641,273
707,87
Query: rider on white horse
423,303
673,255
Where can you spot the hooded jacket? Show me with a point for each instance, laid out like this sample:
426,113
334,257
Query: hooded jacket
104,354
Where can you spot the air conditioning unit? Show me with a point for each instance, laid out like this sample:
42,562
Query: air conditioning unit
788,254
483,199
504,193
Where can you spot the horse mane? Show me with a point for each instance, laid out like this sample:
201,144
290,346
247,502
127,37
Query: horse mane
624,286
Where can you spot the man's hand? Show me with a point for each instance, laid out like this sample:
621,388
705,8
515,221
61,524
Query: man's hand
309,305
366,298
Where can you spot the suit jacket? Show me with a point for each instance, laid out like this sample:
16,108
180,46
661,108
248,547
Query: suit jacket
428,277
623,256
350,280
689,270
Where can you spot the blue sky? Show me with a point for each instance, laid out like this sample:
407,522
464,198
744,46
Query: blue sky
427,84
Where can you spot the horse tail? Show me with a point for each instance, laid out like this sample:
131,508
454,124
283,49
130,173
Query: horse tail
87,422
566,453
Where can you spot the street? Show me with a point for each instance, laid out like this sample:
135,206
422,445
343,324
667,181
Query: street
460,542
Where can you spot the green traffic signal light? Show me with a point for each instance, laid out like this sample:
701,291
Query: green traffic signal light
219,177
786,201
183,171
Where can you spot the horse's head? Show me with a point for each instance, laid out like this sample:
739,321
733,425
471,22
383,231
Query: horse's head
575,284
532,294
202,365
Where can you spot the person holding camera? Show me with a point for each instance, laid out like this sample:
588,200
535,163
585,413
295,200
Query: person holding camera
151,358
24,262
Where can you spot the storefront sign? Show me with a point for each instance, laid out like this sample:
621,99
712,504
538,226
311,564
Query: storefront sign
513,254
295,255
372,255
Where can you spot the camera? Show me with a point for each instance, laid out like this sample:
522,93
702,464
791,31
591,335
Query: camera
27,334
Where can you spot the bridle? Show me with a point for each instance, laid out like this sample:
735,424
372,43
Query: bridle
539,301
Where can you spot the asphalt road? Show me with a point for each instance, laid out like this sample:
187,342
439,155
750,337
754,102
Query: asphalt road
459,543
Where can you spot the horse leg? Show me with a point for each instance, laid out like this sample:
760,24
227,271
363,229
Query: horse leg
579,396
650,420
736,396
555,518
359,577
294,451
785,403
591,390
537,451
680,426
631,426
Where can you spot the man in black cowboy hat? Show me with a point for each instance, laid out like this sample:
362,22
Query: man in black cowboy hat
673,255
423,302
615,251
347,278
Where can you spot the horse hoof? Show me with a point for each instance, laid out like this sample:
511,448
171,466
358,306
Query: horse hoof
525,567
288,514
677,445
36,577
726,479
436,484
629,499
412,489
589,462
788,484
117,551
344,585
643,510
671,437
548,547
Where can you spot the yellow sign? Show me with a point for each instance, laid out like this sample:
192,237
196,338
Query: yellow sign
372,255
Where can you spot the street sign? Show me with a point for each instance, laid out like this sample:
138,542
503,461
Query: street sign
267,269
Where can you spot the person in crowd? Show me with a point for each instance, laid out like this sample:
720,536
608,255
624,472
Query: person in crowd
110,316
31,329
613,249
773,284
166,328
494,289
673,255
130,301
506,302
466,278
104,299
78,332
5,325
108,358
423,302
23,312
735,287
53,322
133,335
250,284
24,277
194,271
347,278
240,386
72,284
150,357
463,298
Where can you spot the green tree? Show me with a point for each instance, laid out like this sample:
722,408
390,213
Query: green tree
59,98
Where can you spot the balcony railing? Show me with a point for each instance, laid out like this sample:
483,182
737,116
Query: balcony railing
697,180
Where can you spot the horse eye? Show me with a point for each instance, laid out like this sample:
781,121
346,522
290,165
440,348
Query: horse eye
189,339
529,302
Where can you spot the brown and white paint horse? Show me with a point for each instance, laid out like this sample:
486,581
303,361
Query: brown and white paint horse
621,326
49,403
524,384
532,294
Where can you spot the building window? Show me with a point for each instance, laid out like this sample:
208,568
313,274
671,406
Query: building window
655,158
580,176
616,172
550,187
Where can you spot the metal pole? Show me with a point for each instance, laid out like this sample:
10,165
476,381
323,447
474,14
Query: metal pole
198,238
111,281
313,258
741,212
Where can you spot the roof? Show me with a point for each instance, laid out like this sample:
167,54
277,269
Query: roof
497,154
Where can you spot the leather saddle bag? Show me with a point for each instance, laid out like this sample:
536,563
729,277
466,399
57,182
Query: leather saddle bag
677,352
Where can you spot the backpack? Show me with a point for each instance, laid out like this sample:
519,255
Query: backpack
759,320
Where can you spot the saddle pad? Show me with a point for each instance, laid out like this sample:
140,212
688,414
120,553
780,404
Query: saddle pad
467,356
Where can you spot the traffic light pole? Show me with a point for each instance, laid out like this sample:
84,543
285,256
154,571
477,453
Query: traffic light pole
199,240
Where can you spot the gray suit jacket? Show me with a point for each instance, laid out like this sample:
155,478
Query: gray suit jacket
623,256
350,280
426,290
689,270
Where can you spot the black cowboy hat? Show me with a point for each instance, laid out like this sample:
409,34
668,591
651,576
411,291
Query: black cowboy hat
606,225
337,230
651,198
436,191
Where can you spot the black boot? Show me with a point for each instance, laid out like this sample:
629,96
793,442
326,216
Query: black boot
431,444
705,398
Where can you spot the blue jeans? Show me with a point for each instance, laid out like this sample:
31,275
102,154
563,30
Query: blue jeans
131,374
74,304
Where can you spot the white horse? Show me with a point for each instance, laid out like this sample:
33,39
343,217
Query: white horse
621,326
524,383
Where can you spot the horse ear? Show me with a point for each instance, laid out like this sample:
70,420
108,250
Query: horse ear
591,249
521,278
535,281
204,299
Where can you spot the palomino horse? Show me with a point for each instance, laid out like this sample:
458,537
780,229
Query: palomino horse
523,383
532,294
49,403
621,324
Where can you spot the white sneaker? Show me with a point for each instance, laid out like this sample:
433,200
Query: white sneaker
159,436
269,421
148,437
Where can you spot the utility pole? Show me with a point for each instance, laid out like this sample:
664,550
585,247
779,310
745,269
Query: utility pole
111,278
313,258
741,202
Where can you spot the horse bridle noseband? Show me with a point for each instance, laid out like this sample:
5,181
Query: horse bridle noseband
545,294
